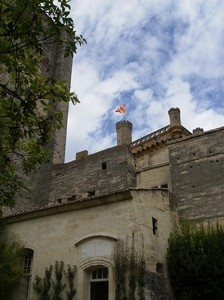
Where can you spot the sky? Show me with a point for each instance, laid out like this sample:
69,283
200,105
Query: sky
150,55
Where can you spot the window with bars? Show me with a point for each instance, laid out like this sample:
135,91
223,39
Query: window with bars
26,279
101,273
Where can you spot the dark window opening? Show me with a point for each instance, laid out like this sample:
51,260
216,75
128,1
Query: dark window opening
99,284
154,226
160,268
104,166
72,198
91,193
164,186
99,290
59,201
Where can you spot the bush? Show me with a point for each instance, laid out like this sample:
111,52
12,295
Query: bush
11,255
195,261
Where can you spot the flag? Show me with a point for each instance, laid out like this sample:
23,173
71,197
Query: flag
121,109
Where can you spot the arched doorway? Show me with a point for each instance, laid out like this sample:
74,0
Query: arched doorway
99,284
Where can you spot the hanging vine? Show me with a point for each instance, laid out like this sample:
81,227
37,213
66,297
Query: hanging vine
120,267
141,272
133,268
129,268
52,288
70,274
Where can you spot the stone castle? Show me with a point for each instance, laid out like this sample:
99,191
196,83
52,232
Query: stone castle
76,211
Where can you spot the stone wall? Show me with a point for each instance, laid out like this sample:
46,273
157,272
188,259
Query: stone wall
154,177
84,233
153,169
150,158
100,173
197,172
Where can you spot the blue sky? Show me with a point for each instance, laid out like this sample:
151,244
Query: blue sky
150,55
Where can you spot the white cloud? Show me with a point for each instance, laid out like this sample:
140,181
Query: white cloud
150,55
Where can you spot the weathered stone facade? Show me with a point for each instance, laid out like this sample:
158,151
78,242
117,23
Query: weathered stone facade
97,174
142,187
197,174
84,232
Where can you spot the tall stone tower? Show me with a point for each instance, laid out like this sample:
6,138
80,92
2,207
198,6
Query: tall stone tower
54,66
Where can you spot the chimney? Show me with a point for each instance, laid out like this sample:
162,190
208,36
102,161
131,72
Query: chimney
175,122
124,132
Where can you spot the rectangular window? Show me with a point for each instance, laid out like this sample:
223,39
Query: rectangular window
104,166
154,226
101,273
160,268
26,279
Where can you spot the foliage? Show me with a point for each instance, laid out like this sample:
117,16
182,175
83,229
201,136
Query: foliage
28,116
11,254
120,268
195,261
49,288
57,284
141,273
43,285
129,269
133,263
70,277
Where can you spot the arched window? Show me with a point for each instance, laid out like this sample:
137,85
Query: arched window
27,272
99,284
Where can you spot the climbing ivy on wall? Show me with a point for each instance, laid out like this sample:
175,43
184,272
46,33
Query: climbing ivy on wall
129,269
52,286
195,261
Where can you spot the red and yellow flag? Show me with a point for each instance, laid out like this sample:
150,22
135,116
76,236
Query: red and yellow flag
121,109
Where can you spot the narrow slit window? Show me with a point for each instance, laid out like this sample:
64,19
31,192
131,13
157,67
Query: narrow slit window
104,165
154,226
